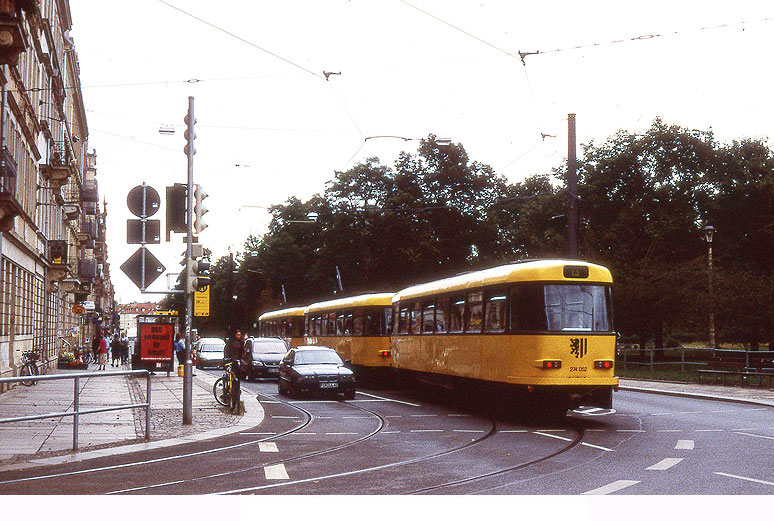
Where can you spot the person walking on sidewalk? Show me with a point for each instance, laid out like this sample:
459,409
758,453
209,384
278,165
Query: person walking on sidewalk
115,351
124,348
102,353
180,348
95,346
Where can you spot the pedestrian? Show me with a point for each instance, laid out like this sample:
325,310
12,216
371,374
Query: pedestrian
239,356
180,349
95,346
102,352
115,351
124,348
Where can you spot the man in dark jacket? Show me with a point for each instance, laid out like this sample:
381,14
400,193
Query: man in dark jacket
239,356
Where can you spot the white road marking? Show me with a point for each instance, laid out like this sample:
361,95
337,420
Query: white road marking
630,430
427,430
684,445
664,464
463,430
553,436
745,479
553,430
268,446
390,432
669,430
708,430
276,472
306,433
389,399
399,416
612,487
423,415
596,447
355,417
459,415
754,435
514,431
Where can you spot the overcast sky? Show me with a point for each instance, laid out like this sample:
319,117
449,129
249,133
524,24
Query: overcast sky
270,126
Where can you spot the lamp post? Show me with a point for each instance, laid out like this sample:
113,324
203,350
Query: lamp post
709,233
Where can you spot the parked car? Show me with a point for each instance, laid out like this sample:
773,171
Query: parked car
314,369
266,353
209,352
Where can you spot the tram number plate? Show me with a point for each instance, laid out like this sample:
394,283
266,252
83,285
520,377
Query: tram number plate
578,369
328,385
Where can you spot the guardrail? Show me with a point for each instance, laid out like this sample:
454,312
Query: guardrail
77,412
697,356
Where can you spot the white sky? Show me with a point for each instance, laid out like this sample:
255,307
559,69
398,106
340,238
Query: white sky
268,129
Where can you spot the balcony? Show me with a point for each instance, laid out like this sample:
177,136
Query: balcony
14,41
59,263
60,166
90,208
88,231
87,270
9,205
90,192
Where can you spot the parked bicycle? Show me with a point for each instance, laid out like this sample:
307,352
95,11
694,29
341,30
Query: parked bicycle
227,390
29,367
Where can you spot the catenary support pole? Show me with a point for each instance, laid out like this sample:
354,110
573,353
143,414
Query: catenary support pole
188,368
572,190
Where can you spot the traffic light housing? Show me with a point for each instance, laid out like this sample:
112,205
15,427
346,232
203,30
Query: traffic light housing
199,209
189,135
177,199
196,276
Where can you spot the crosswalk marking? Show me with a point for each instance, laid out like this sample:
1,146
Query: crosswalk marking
268,446
276,472
610,488
684,445
664,464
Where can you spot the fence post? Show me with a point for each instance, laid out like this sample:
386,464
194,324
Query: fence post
76,408
651,358
148,408
682,359
746,358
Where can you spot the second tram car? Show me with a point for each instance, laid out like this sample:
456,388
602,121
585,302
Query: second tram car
288,324
536,334
358,328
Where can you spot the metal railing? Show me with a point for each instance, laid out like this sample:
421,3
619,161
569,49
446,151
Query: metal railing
631,355
77,412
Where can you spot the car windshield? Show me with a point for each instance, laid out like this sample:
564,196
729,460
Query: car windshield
317,357
268,348
212,348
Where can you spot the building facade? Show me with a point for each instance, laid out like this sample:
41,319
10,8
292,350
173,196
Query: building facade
128,314
53,253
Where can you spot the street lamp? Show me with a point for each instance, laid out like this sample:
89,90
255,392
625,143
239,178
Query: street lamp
709,233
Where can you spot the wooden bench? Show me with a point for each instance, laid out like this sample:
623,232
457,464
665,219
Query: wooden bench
742,375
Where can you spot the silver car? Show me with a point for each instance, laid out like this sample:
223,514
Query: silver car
267,352
210,352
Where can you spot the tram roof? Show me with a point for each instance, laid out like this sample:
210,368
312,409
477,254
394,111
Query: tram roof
370,299
537,271
282,313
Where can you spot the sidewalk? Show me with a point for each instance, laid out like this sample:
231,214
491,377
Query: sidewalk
745,394
49,441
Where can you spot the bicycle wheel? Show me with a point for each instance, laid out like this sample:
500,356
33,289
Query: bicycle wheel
236,394
219,390
27,370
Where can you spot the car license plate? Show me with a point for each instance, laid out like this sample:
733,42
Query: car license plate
328,385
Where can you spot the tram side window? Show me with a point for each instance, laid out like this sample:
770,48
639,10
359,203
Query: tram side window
340,324
428,318
416,318
456,314
298,326
348,320
357,322
373,318
527,308
331,324
441,314
403,320
495,312
317,325
386,326
474,312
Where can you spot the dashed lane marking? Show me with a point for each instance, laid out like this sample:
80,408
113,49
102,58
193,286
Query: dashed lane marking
276,472
665,464
745,478
596,447
389,399
427,430
268,446
553,436
708,430
514,431
463,430
424,415
459,415
355,417
684,445
669,430
754,435
615,486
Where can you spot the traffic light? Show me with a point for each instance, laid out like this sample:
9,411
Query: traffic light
196,276
189,135
199,209
177,199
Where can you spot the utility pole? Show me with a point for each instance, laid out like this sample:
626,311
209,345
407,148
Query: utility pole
572,190
188,368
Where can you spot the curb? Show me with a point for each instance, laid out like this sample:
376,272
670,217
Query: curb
686,394
252,417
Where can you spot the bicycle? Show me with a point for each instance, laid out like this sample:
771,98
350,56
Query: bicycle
29,367
227,389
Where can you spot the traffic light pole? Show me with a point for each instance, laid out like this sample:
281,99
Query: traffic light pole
188,368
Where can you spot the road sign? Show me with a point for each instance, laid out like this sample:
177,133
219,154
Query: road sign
78,309
134,231
202,302
143,201
133,268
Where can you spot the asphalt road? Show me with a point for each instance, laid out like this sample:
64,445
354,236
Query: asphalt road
389,443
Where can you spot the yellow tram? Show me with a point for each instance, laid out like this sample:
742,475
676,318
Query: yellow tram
287,324
356,327
537,334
